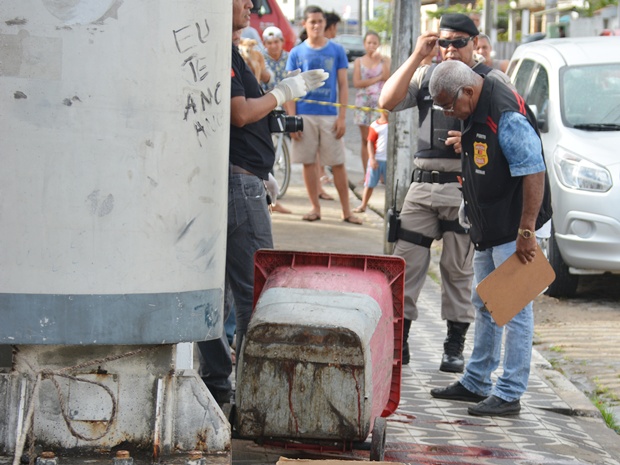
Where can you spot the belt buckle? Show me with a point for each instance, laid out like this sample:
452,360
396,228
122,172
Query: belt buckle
435,176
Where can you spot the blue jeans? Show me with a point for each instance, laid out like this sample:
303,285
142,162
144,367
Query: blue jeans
485,357
249,229
230,326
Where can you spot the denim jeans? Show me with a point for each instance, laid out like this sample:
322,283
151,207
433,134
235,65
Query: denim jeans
485,358
249,229
230,326
215,357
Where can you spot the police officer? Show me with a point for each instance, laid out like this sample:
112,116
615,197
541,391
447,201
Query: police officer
430,209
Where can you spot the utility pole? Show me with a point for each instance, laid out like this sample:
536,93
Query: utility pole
550,18
363,15
486,22
403,129
360,17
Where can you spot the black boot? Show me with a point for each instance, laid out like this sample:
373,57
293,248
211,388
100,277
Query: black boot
453,360
406,327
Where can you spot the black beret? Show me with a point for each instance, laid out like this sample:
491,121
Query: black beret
458,22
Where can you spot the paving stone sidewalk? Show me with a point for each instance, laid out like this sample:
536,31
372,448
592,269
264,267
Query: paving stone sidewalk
557,424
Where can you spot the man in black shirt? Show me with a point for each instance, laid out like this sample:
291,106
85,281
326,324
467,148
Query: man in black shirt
251,156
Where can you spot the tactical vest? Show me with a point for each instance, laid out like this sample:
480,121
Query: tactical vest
494,197
435,124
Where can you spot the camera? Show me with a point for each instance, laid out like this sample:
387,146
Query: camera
281,122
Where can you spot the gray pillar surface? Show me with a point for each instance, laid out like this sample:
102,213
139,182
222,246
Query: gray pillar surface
403,131
114,138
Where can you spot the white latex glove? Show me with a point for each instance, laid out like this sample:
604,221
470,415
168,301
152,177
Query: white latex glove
298,84
272,187
315,78
463,220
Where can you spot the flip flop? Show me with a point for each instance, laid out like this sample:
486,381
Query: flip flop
325,196
352,219
359,210
311,217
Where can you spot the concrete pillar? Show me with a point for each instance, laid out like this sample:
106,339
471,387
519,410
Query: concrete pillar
403,133
115,128
512,25
493,30
113,221
525,22
486,20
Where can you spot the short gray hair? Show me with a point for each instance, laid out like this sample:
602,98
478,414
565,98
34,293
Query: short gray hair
485,37
449,76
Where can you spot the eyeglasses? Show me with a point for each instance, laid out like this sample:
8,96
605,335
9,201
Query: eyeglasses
456,43
449,109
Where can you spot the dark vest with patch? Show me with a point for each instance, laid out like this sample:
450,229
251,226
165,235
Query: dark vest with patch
434,124
494,197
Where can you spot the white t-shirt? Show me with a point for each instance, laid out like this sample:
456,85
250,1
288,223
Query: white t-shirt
378,135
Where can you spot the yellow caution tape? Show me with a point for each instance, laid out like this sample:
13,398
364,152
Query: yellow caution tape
352,107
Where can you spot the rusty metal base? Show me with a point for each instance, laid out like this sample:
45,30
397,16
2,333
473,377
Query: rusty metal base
89,400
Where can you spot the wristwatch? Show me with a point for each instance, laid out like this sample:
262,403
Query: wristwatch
526,233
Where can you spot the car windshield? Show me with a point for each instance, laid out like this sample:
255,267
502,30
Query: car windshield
591,97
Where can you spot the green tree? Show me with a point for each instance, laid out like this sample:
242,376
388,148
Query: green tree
594,5
382,22
502,15
458,8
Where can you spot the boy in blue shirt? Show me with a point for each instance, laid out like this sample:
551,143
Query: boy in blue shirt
324,125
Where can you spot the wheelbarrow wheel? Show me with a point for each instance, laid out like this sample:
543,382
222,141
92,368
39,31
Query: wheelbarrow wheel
377,442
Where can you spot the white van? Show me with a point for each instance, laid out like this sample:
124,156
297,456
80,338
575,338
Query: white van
573,86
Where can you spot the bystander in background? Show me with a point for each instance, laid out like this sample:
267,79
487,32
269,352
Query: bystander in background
332,20
377,157
324,124
485,49
369,74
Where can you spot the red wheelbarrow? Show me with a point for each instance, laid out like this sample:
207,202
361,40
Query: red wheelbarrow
321,361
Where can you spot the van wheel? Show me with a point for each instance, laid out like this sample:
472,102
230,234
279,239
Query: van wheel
565,284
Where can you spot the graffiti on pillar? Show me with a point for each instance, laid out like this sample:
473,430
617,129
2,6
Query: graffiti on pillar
191,41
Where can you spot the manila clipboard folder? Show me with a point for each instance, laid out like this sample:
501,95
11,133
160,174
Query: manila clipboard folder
513,285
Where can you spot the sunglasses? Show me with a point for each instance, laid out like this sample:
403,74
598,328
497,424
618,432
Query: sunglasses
456,43
449,109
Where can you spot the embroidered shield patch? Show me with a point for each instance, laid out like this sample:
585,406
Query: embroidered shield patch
480,154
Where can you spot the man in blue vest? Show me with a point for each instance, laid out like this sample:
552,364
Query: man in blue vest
506,200
430,209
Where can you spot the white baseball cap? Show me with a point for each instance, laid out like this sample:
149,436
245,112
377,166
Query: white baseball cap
272,32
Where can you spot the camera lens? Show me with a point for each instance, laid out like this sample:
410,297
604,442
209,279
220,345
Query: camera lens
294,123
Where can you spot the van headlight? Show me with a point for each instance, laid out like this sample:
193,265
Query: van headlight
576,172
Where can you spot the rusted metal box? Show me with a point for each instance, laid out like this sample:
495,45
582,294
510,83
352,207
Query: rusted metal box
322,354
